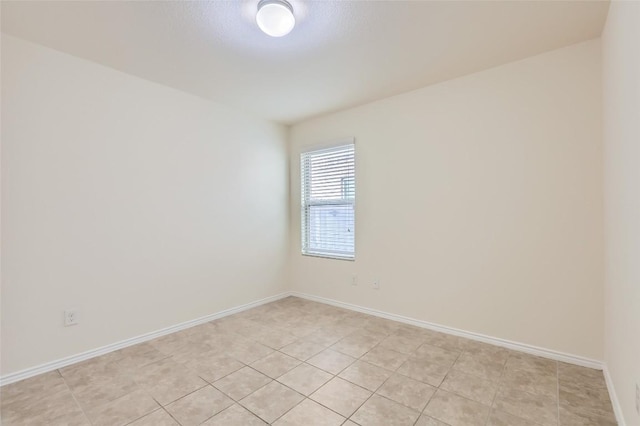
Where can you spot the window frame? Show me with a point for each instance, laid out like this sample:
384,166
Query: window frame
304,205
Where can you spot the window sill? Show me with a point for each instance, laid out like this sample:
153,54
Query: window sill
330,256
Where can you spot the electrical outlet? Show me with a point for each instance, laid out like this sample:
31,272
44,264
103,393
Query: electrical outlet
71,317
638,398
376,284
354,280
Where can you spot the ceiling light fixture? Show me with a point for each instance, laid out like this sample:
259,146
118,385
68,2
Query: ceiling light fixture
275,17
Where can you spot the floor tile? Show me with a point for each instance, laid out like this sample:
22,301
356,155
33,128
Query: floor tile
429,421
537,408
485,350
305,379
123,410
366,375
302,350
32,388
235,415
171,342
248,352
331,361
500,418
407,330
381,325
120,387
341,396
405,345
456,410
369,334
445,341
385,358
220,339
380,411
355,346
241,383
310,413
271,401
480,365
192,350
406,391
586,401
536,382
571,418
275,364
276,339
231,323
93,391
137,356
254,328
167,380
424,370
471,387
580,376
59,408
436,354
100,365
156,418
304,327
198,406
323,337
536,364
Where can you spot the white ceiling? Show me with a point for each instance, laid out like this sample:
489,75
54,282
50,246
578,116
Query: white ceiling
340,54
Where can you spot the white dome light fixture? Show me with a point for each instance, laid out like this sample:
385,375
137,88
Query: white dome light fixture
275,17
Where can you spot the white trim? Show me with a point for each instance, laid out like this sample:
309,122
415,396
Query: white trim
63,362
617,408
522,347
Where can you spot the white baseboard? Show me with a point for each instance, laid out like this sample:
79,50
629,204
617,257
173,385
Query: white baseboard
63,362
522,347
617,408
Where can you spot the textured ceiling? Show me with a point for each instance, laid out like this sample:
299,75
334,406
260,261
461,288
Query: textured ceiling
340,54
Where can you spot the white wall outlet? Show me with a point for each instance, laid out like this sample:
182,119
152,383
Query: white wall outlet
71,317
638,398
376,284
354,280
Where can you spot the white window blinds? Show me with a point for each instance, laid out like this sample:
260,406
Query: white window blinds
328,202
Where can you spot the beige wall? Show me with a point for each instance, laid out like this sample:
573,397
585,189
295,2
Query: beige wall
139,204
479,203
621,83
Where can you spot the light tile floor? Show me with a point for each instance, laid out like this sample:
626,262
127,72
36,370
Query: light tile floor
296,362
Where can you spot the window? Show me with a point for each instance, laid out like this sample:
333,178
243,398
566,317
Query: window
328,202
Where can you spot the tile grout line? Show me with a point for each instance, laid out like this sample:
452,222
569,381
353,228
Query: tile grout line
357,359
261,387
503,369
495,396
349,418
438,387
378,388
141,388
74,397
380,337
213,415
272,380
361,360
420,412
169,414
278,350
